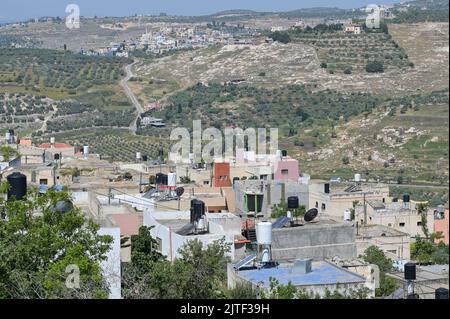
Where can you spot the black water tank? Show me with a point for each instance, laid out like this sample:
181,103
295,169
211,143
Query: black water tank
197,209
144,158
236,179
406,198
326,188
17,186
293,202
284,153
441,293
410,271
395,200
161,179
56,156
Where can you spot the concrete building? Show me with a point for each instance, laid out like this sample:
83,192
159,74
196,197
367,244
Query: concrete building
58,148
319,240
322,276
259,196
395,244
222,175
441,223
334,199
400,216
428,279
168,224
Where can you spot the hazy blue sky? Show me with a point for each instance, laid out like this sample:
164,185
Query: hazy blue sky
24,9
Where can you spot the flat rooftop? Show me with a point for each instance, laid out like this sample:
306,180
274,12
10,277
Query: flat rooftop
323,273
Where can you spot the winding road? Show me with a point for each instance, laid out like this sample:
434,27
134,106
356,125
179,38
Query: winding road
130,95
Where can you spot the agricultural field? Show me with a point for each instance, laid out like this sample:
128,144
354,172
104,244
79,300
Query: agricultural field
53,91
54,70
115,144
341,52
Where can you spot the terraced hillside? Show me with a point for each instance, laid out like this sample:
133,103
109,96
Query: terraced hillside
50,91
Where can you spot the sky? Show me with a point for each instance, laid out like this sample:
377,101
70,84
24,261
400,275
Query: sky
14,10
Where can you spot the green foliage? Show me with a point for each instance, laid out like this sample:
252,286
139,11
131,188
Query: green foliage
7,153
37,244
199,273
279,36
374,255
279,210
375,67
387,285
241,291
440,255
426,251
289,291
345,160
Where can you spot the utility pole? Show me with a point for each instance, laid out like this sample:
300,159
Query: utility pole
365,209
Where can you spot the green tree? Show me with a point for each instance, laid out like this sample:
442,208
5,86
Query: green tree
38,243
374,255
375,67
280,36
8,153
421,250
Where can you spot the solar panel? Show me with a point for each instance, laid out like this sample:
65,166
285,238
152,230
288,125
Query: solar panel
244,262
281,222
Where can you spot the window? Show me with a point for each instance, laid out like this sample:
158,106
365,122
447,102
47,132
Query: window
402,224
324,206
159,244
317,204
43,181
419,223
205,182
285,172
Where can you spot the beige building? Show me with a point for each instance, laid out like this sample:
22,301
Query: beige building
395,244
400,216
334,199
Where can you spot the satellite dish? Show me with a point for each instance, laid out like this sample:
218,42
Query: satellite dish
311,215
179,191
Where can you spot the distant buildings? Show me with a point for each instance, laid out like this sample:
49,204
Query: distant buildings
353,29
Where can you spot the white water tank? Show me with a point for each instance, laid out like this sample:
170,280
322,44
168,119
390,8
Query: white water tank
52,140
279,154
289,214
348,215
358,178
264,233
8,137
138,156
86,150
172,180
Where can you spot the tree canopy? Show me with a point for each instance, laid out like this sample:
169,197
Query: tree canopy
41,247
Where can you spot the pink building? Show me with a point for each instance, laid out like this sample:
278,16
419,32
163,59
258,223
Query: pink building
441,225
287,169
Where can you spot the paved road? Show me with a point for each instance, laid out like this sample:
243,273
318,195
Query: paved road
130,94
